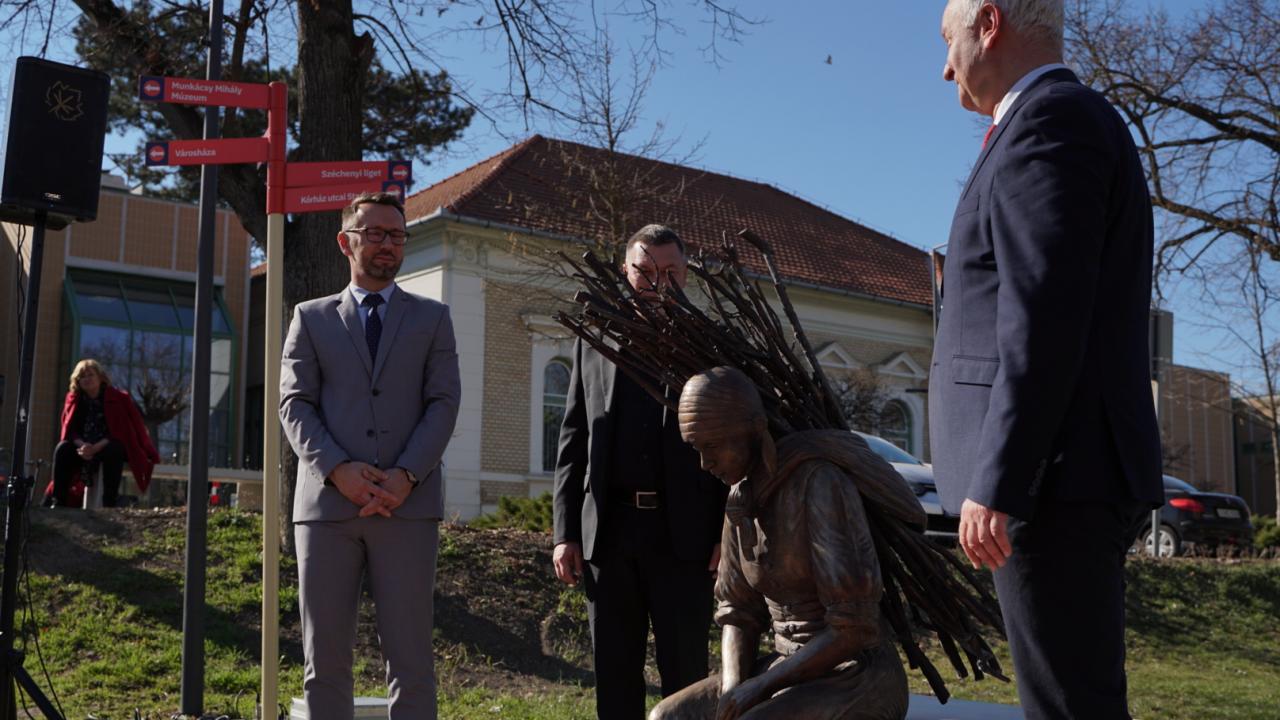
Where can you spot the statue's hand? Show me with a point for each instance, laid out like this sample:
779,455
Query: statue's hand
741,698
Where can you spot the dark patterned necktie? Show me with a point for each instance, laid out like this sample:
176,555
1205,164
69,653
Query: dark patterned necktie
373,325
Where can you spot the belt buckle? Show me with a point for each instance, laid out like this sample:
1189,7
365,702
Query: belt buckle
646,500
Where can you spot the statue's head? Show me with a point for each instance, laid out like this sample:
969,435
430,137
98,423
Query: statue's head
722,417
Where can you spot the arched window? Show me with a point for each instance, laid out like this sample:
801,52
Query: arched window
895,425
555,389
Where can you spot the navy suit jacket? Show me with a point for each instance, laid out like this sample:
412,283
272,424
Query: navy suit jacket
692,499
1040,386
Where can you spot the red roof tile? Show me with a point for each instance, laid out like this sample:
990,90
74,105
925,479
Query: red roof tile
545,185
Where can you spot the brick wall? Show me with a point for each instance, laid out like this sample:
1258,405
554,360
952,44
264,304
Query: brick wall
1196,425
507,358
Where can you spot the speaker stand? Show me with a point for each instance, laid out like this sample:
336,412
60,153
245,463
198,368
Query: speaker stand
18,490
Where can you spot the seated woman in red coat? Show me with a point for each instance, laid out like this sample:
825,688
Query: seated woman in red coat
100,426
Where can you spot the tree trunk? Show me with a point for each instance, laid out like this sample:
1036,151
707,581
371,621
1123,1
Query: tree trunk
332,66
1275,461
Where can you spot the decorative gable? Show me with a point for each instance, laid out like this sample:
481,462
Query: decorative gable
902,365
833,357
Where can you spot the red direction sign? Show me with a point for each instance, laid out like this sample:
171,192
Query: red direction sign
333,197
313,174
194,91
223,151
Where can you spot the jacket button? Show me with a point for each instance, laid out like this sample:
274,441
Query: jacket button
368,433
376,392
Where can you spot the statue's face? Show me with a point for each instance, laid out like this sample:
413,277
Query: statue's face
728,456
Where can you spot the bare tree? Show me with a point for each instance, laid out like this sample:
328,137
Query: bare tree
162,395
863,399
1248,319
340,48
619,166
1202,97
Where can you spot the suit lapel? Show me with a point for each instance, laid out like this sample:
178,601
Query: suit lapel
350,315
1042,81
390,324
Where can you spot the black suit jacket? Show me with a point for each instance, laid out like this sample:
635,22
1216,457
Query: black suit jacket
1040,386
692,500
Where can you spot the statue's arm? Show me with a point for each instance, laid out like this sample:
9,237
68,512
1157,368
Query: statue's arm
737,655
741,613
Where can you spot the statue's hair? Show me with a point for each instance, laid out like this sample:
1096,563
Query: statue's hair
720,401
1043,17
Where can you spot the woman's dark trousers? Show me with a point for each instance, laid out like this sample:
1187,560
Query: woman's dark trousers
66,462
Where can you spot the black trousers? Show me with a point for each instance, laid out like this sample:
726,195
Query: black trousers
635,579
66,462
1062,594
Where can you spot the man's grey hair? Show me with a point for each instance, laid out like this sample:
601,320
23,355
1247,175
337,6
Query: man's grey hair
655,235
1042,17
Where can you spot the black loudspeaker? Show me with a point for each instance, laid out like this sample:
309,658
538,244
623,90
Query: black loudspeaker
53,146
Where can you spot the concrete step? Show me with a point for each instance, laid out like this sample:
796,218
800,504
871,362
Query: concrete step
927,707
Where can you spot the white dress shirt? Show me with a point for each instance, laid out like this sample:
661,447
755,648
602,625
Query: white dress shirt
1012,96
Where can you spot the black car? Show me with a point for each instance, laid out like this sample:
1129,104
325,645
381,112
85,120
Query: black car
1194,519
940,524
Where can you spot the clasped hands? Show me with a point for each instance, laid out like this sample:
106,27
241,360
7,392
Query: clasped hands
87,450
375,491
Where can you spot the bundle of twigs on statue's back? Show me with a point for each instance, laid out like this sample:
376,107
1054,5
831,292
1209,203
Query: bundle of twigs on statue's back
927,588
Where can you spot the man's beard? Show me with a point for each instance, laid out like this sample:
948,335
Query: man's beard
381,272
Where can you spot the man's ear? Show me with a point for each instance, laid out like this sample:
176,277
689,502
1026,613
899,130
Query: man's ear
344,243
990,24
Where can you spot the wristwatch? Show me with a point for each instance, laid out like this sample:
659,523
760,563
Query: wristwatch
413,479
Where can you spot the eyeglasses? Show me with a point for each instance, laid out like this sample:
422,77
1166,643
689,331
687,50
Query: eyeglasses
377,235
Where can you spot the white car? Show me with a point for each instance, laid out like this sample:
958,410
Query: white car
941,524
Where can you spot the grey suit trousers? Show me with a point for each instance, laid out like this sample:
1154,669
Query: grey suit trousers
398,557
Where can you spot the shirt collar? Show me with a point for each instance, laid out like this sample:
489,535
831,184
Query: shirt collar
1019,87
359,293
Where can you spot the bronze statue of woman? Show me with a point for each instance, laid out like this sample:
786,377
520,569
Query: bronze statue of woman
798,558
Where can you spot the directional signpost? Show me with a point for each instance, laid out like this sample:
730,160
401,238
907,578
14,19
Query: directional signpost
333,197
227,151
291,188
193,91
306,174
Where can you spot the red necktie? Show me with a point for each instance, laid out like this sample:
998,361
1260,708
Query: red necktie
987,137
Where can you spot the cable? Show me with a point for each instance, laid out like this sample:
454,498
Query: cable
19,289
30,623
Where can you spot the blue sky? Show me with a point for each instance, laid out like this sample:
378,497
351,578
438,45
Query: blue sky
876,135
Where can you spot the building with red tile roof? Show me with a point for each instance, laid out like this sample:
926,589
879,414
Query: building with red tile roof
540,185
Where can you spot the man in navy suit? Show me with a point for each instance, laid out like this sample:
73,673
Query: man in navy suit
1041,416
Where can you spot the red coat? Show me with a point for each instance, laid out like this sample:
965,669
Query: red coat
124,425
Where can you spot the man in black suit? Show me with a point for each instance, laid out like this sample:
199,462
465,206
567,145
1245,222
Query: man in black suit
1041,416
634,507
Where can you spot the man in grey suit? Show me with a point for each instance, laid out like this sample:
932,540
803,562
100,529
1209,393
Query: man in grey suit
368,397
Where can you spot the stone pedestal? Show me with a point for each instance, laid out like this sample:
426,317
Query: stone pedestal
926,707
367,708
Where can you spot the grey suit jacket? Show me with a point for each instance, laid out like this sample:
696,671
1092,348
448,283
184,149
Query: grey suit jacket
337,405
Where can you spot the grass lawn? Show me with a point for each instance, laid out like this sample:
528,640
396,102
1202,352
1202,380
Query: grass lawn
1204,639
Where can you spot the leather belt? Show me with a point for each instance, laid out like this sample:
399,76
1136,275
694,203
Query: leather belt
640,500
